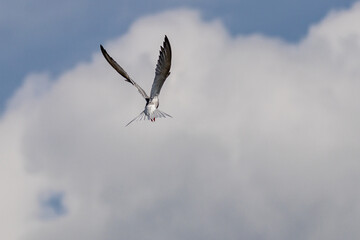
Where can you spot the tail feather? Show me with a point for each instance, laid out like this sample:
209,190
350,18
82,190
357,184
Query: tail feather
156,114
141,116
159,114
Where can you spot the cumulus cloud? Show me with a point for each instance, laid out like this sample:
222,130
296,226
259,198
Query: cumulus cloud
263,143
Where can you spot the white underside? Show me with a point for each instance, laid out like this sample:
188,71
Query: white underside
151,112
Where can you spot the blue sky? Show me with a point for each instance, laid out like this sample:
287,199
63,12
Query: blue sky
38,36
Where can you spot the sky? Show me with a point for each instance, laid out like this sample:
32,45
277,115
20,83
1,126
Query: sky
38,36
263,143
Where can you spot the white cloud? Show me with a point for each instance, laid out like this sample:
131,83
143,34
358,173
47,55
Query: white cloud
263,144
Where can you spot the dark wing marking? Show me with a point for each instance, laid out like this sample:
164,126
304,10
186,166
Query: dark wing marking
162,70
122,72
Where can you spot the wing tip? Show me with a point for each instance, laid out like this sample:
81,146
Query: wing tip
103,51
167,45
166,40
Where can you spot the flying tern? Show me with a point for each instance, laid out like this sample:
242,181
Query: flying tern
162,71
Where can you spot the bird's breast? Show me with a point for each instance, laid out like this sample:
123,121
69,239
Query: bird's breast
152,105
150,108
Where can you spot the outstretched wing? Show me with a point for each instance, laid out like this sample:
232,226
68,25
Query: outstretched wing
122,72
162,70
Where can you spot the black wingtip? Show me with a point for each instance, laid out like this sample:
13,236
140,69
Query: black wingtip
102,48
167,45
167,42
103,51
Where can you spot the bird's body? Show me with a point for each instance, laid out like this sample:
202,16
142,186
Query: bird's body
150,108
162,71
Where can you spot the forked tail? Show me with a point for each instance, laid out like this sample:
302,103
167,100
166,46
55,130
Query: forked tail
159,114
156,114
141,116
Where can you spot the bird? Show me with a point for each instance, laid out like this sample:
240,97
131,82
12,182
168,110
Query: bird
162,72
